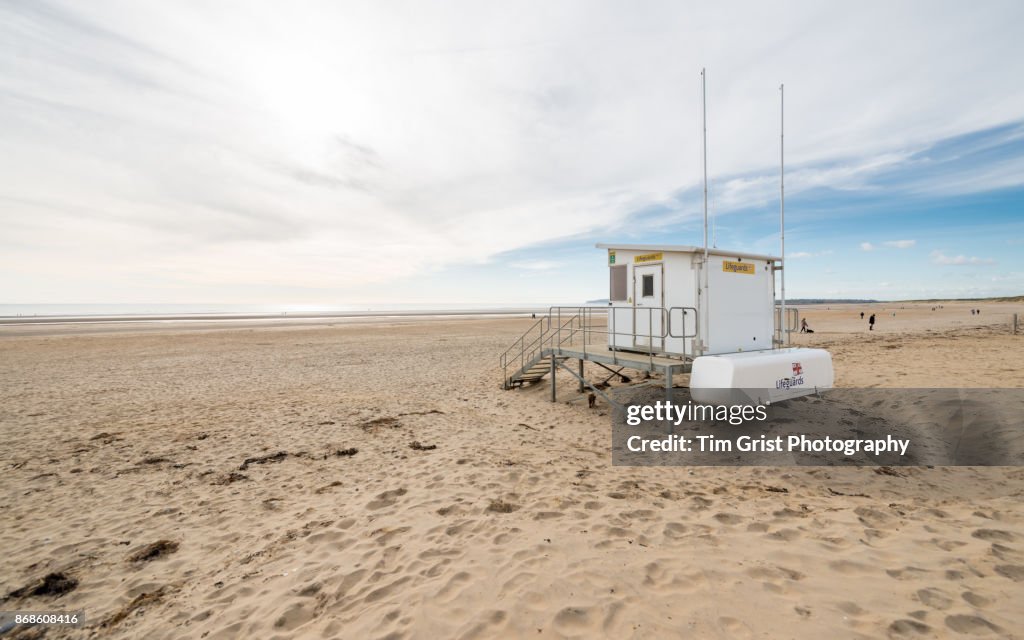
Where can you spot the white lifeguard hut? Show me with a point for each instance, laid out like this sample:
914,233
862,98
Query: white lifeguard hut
681,309
658,299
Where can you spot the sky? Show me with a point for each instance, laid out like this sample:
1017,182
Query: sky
371,153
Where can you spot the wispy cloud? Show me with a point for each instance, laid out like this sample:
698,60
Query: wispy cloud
536,265
900,244
888,244
938,257
809,254
230,150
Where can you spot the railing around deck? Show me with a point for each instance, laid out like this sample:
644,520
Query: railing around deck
792,325
566,327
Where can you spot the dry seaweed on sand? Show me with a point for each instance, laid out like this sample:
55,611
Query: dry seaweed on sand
375,425
500,506
52,584
141,600
274,457
231,478
154,550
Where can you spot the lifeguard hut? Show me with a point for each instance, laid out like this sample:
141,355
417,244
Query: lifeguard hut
656,293
675,309
681,309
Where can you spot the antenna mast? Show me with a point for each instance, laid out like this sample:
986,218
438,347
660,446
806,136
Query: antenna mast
782,204
707,267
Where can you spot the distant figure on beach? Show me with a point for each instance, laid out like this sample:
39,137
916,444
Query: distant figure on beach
861,315
972,312
591,400
803,325
871,323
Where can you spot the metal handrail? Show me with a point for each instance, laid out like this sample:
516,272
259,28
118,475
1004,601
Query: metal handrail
696,322
520,340
564,325
791,322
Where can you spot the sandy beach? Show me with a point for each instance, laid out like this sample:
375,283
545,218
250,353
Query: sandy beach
372,480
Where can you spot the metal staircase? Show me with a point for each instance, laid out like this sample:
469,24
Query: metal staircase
534,372
584,333
529,357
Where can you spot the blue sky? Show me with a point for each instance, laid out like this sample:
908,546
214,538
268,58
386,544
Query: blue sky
458,152
943,221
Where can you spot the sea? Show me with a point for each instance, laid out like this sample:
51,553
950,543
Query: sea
207,309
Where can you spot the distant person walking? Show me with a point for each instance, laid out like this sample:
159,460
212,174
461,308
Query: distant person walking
861,315
871,323
803,325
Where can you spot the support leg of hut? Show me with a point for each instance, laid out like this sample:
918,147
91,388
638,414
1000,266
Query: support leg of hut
554,366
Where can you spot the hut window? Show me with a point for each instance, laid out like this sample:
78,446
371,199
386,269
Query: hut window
617,283
648,286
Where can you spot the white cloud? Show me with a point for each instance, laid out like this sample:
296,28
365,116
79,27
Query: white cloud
808,254
892,244
938,257
233,150
536,265
900,244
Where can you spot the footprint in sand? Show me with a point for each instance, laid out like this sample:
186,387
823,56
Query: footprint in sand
874,519
971,625
1005,553
788,514
384,535
699,504
906,573
947,545
728,518
907,627
1014,572
385,499
994,535
850,567
574,620
734,628
851,608
453,588
547,515
674,530
488,626
294,616
784,535
976,600
934,598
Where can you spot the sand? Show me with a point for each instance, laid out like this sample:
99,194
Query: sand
368,480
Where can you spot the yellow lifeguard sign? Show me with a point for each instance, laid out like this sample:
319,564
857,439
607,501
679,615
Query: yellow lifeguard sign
649,257
729,266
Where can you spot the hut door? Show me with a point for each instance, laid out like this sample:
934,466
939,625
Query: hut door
647,307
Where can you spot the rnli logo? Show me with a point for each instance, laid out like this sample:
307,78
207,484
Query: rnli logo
795,381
